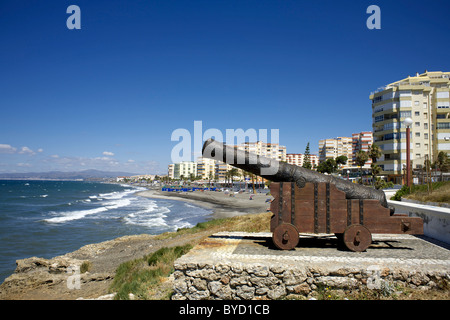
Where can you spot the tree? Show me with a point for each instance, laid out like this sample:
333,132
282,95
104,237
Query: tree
341,160
307,158
361,159
374,152
442,163
232,173
329,166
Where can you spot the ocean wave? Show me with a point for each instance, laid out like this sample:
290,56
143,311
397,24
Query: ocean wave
43,195
74,215
151,216
117,203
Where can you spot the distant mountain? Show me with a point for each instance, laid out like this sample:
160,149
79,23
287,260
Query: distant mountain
55,175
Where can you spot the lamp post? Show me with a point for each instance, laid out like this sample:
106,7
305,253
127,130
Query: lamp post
408,122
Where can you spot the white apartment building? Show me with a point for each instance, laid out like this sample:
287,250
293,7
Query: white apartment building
182,170
336,147
298,159
362,141
425,99
206,168
270,150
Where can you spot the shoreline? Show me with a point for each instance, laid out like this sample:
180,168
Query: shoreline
222,205
46,279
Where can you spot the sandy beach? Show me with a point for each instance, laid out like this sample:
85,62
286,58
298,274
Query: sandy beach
222,204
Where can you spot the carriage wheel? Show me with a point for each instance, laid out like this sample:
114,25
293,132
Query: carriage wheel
285,236
357,237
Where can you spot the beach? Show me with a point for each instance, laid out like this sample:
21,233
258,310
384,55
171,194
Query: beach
222,204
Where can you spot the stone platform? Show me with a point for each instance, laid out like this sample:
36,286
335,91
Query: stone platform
236,265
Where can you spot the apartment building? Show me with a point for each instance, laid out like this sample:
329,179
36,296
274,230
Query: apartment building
206,168
333,148
361,141
182,169
270,150
425,99
299,158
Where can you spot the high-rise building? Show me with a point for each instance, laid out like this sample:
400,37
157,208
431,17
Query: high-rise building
336,147
425,99
298,159
185,169
206,168
269,150
361,141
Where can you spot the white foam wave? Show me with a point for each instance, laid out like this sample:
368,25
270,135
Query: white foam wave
44,195
117,203
115,195
74,215
151,216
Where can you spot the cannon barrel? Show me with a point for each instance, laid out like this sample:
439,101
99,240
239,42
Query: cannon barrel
277,171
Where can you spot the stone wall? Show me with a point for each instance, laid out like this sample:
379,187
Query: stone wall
235,281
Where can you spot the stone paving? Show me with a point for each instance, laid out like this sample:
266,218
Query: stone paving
236,265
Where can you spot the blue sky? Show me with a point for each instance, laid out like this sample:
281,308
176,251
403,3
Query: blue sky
109,96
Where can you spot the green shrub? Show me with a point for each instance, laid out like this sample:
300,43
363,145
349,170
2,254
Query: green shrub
400,193
140,275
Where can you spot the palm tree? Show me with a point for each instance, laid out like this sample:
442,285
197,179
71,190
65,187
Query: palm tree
374,154
361,159
232,172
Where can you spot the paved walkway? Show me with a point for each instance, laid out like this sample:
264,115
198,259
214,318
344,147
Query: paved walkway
404,251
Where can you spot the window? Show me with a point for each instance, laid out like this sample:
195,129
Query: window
379,118
417,124
416,103
443,94
443,125
425,115
425,135
440,116
405,93
405,114
417,145
417,113
425,125
417,134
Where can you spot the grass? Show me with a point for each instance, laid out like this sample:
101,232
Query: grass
440,193
245,223
142,276
145,277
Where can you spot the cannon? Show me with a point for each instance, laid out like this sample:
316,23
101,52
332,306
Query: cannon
306,201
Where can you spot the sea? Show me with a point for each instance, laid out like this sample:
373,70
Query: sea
50,218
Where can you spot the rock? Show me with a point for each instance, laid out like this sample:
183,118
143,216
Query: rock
245,292
303,289
277,293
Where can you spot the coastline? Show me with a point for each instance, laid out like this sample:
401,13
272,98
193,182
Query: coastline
222,205
37,278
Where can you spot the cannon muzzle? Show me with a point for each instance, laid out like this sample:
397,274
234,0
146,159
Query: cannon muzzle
278,171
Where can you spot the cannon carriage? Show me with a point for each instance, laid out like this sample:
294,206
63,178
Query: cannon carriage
306,201
321,208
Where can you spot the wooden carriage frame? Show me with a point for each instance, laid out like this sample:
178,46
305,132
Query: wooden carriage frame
321,208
